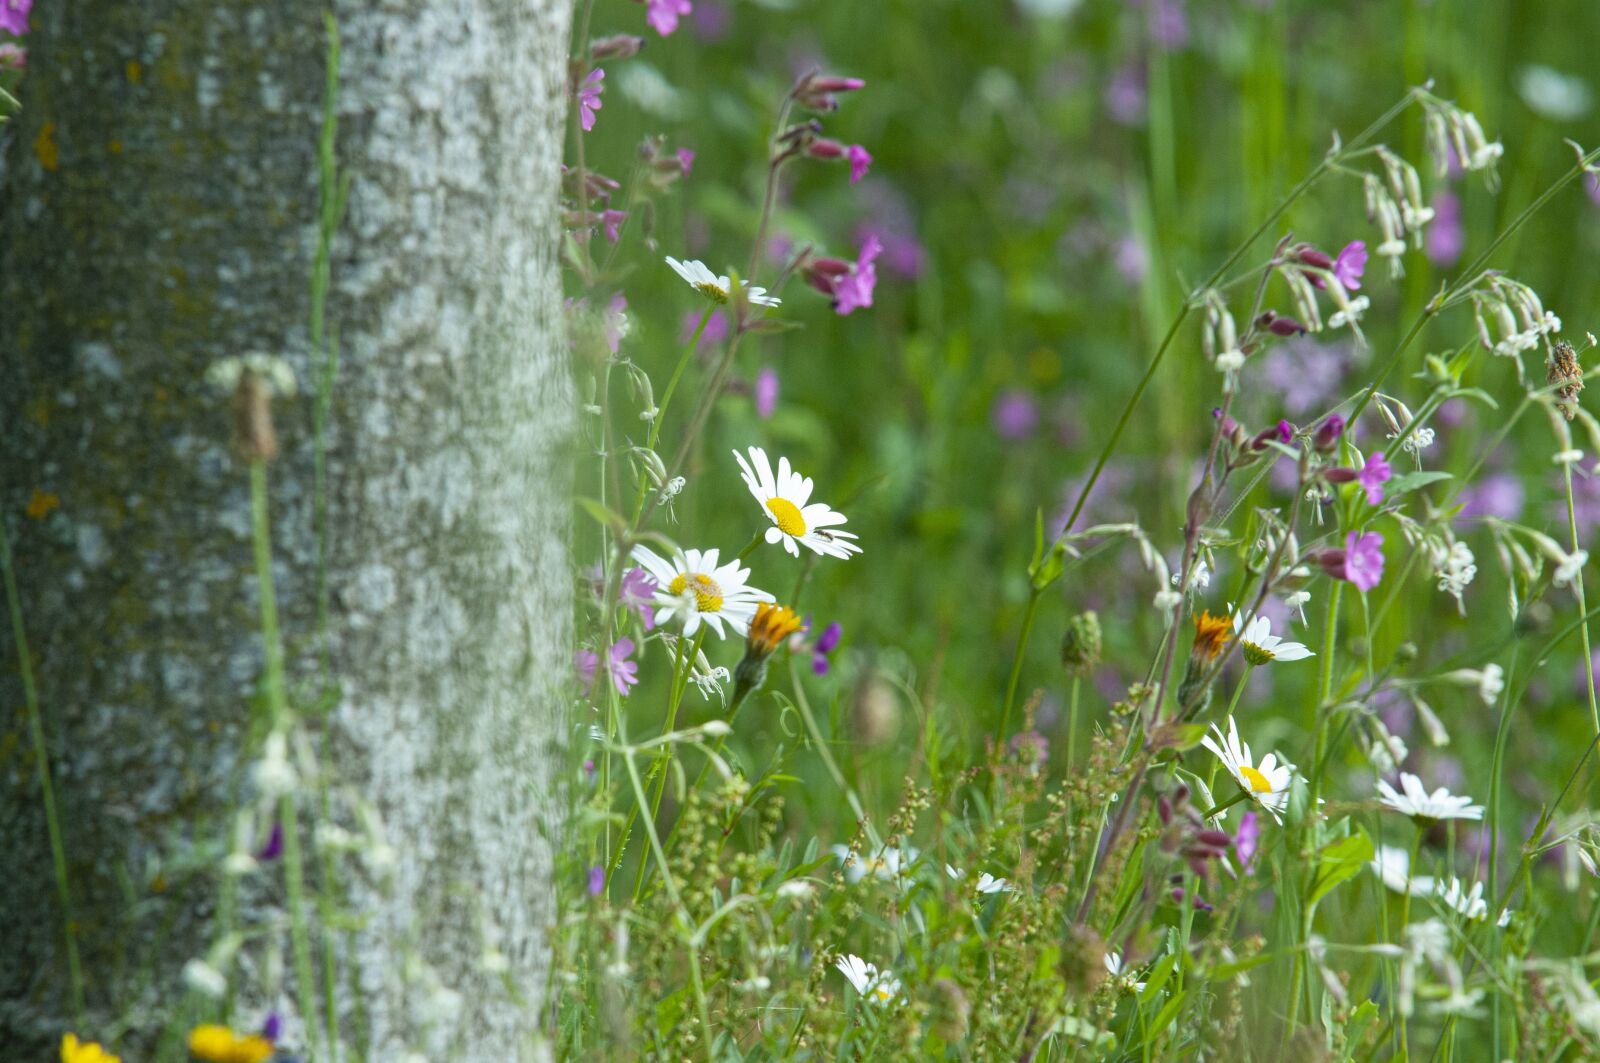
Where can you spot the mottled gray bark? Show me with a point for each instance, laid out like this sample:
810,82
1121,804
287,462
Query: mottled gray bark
158,211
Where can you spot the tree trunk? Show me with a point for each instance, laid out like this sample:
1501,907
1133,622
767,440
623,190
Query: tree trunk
159,212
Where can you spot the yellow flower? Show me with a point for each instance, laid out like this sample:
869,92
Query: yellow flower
1211,633
771,626
75,1051
218,1044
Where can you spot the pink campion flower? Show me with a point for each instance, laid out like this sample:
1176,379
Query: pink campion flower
711,21
637,591
14,16
1246,840
1015,414
589,91
766,392
854,290
1446,237
1360,562
1374,474
664,14
715,332
1351,263
612,221
860,159
685,160
622,672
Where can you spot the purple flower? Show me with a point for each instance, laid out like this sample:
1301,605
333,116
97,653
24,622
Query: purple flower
273,847
1128,255
860,159
1499,494
272,1025
1125,97
597,880
1304,373
766,392
1169,26
1247,838
664,14
711,21
622,672
1360,562
1015,414
685,160
854,290
1351,263
1446,236
14,16
637,591
1374,474
826,643
588,96
612,221
715,332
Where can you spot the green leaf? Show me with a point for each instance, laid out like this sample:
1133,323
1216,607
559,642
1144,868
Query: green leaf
1338,861
602,513
1157,978
1407,482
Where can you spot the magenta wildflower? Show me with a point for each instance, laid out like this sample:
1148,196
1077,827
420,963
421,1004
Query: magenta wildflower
766,392
612,221
1374,474
1351,263
715,332
1328,433
1446,237
1246,840
1015,414
685,160
14,16
860,159
664,14
1360,562
588,96
597,880
638,592
826,642
622,672
854,290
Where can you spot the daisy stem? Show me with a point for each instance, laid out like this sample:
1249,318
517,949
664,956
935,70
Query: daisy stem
1405,912
672,383
1588,654
804,707
41,757
663,765
755,540
1225,805
1239,689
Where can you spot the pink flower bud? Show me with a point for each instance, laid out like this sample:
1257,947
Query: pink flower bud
620,46
823,148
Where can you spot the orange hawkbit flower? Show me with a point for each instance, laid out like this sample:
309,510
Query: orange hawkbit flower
772,626
1211,633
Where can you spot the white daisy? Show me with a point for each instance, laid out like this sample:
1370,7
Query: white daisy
1123,981
1393,867
880,987
1419,804
1267,784
694,587
784,497
1259,645
889,862
717,289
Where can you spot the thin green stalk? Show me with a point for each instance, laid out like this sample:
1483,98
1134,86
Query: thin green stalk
1016,665
41,757
1239,689
663,765
803,706
1583,607
672,383
278,709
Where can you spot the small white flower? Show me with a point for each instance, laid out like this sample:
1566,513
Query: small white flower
696,588
224,374
784,499
879,987
1417,803
1260,645
1298,601
1124,982
239,864
1456,569
1359,304
889,863
1472,905
274,775
1569,568
1167,600
796,889
1557,96
986,884
1417,440
1393,866
709,683
1490,683
717,289
1267,784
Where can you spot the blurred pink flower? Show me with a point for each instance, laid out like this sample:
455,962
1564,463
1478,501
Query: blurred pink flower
1169,26
1125,97
14,16
711,22
1351,263
715,332
664,14
1360,562
612,220
1499,494
638,592
1015,414
1246,840
615,321
766,392
588,96
860,159
622,672
1130,259
1446,236
1374,474
685,160
854,290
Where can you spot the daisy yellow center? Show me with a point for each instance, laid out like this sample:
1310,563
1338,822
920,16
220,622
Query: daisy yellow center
1258,782
714,292
882,994
787,514
707,595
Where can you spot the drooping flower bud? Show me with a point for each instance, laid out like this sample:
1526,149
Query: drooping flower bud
1279,325
619,46
1080,644
1328,433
